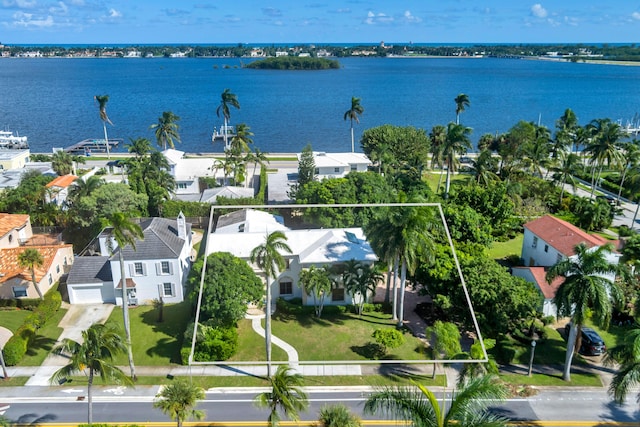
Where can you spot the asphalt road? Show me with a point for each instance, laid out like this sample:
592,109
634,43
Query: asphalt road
549,408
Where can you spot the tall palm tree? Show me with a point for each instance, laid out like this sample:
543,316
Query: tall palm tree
82,188
62,162
140,147
586,289
268,257
631,159
603,148
124,232
362,282
338,415
166,130
457,142
31,258
178,400
100,345
484,168
564,171
437,137
468,406
227,99
385,246
286,396
462,102
257,157
627,355
352,114
242,139
566,130
102,100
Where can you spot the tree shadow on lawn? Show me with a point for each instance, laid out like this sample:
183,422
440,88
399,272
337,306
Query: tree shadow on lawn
373,351
40,342
166,348
400,373
174,320
310,320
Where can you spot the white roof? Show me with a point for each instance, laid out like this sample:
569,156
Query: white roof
254,222
322,159
189,169
173,155
211,194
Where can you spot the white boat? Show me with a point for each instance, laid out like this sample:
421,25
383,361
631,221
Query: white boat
10,140
218,134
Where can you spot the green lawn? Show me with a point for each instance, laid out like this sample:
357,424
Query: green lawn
340,337
501,250
154,343
13,319
577,380
251,346
433,177
45,339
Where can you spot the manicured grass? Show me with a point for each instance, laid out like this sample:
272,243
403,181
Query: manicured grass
501,250
251,346
207,382
341,336
433,177
577,380
45,340
13,319
14,382
611,336
154,343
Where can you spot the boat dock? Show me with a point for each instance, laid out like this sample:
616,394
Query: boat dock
88,147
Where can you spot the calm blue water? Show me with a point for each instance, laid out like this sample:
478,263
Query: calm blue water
51,100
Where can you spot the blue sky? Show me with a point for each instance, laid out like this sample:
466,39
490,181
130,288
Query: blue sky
318,21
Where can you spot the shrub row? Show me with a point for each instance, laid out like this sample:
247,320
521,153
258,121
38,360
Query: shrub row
294,307
214,343
17,346
24,303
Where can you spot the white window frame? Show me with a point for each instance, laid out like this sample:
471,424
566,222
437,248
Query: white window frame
135,268
534,244
164,264
171,287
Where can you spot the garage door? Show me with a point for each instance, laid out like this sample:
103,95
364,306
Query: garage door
86,295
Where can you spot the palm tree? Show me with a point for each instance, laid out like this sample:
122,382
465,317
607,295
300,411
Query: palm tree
338,415
286,396
269,259
82,188
484,168
227,99
457,142
566,131
139,146
586,289
317,283
419,406
242,139
631,158
437,137
124,232
604,147
385,245
353,114
462,102
178,400
256,157
100,345
31,258
627,356
62,162
102,107
564,171
166,130
362,280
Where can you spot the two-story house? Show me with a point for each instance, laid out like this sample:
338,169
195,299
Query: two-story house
548,240
337,165
16,236
58,189
240,232
157,268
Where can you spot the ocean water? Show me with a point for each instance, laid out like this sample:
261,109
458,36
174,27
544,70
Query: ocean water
50,100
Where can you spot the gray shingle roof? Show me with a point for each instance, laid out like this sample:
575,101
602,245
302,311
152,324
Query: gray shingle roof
161,241
90,269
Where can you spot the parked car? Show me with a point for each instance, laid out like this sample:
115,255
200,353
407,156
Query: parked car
592,343
609,199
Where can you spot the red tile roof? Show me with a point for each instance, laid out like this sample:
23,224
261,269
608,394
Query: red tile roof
562,235
62,181
10,267
129,281
10,222
548,290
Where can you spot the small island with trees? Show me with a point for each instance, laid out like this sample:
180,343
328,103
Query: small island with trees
294,63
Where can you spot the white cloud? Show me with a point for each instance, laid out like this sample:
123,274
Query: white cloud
377,18
22,4
114,13
410,18
636,16
26,20
538,11
61,9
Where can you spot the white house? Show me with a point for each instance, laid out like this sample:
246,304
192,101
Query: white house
548,240
210,195
187,171
58,189
157,268
240,232
337,165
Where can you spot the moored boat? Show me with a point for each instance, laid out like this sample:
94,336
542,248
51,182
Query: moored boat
10,139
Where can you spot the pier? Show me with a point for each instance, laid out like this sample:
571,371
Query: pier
90,146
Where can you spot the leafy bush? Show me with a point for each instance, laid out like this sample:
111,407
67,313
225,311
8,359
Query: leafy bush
293,306
388,338
218,343
548,320
506,350
16,347
373,308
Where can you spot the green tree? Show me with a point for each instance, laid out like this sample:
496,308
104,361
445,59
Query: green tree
360,282
586,289
229,286
462,102
468,406
457,142
603,147
444,340
566,129
227,99
484,168
631,159
125,232
141,147
317,283
258,158
475,370
31,258
306,166
100,345
62,162
338,415
352,114
242,140
286,396
393,147
268,257
102,100
166,130
627,356
178,400
565,169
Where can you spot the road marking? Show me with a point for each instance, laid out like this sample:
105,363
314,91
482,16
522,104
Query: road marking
72,390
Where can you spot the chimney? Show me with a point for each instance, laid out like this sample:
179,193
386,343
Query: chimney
182,226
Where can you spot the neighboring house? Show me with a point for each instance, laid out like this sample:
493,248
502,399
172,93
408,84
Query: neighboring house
59,189
337,165
11,178
13,159
210,195
548,240
157,268
15,237
317,247
187,172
